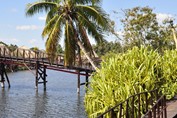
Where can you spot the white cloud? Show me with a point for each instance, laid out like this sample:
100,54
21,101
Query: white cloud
28,27
162,16
43,18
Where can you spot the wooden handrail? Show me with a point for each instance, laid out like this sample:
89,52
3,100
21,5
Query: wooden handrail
158,110
30,56
131,110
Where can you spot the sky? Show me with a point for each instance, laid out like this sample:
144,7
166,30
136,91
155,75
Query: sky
16,28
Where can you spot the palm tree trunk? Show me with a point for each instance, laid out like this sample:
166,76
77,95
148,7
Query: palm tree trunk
87,56
79,57
82,47
174,36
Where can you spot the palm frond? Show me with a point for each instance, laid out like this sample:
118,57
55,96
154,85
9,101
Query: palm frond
51,14
50,25
95,14
39,7
53,39
91,2
70,45
90,27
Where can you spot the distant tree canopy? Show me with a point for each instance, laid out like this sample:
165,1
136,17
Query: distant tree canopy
12,47
34,49
142,28
3,43
104,47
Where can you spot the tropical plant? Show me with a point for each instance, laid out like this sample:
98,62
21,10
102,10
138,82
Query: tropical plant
169,73
120,76
74,18
125,74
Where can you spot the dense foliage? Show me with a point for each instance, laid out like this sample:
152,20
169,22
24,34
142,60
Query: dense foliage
105,47
141,27
123,75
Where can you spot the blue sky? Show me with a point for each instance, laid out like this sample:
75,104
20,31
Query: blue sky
16,28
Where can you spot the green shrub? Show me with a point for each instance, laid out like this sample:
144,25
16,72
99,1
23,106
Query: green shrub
169,72
122,75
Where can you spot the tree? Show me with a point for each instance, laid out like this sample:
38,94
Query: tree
172,28
105,47
35,49
3,43
140,26
76,19
12,47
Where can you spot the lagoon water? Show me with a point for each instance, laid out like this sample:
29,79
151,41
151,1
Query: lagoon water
60,100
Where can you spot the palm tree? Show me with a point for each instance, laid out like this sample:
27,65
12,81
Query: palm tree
76,19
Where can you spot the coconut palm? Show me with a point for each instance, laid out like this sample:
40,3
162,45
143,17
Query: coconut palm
76,19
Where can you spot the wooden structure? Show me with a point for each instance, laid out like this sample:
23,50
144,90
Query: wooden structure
142,105
158,110
41,62
3,75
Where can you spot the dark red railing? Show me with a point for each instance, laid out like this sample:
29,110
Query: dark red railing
133,107
29,56
158,110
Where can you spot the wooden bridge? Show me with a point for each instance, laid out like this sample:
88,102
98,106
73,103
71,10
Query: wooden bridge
41,62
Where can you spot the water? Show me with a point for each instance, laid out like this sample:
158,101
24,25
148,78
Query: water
60,100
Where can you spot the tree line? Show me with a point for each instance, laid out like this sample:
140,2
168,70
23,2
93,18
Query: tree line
141,27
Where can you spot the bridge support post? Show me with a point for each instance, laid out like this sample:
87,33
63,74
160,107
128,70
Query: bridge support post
40,74
78,83
86,79
36,82
3,75
44,76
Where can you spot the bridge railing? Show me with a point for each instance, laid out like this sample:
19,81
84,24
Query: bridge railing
133,107
4,51
158,110
25,54
29,55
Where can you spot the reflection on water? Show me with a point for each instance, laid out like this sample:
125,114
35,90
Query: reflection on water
3,102
40,104
60,100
